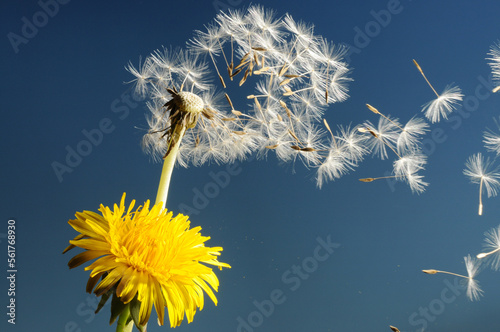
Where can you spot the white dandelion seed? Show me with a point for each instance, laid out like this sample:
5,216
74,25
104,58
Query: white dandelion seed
415,181
482,171
384,135
347,149
264,20
443,105
492,245
142,75
409,138
404,143
474,291
491,140
333,167
495,64
445,102
304,32
353,143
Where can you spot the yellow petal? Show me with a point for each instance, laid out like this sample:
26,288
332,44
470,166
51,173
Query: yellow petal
84,257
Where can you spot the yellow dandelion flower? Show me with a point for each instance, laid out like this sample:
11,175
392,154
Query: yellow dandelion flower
148,255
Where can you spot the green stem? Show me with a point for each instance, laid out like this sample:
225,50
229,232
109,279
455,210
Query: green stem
168,166
121,325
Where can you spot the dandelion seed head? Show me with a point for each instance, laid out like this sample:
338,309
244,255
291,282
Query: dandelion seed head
295,75
189,102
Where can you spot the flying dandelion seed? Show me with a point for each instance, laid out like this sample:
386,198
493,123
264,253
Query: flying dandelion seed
384,136
474,291
345,150
491,139
404,142
445,102
495,64
492,244
412,132
482,171
406,169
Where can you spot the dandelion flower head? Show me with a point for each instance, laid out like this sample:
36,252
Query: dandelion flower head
148,255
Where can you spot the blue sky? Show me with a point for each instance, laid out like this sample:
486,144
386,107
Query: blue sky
65,78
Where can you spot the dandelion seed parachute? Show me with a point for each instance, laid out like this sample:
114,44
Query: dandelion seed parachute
494,57
492,244
474,291
443,105
491,140
483,172
405,144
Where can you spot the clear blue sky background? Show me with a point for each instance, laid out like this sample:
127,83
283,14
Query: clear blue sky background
69,77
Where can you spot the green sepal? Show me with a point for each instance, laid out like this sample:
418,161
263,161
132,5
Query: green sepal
104,299
135,307
117,307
